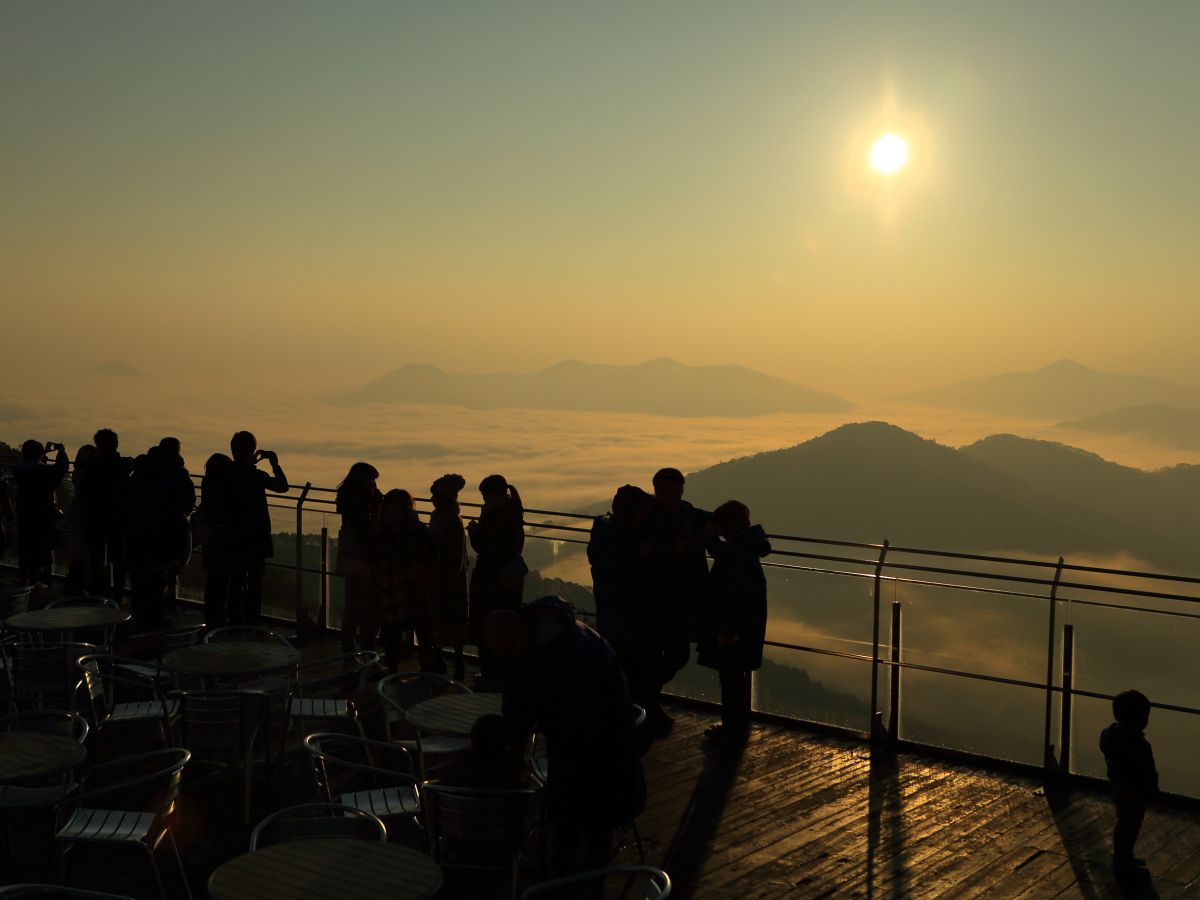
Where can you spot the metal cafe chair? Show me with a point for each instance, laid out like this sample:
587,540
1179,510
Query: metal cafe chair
374,776
309,820
127,801
107,678
56,892
222,728
347,672
42,675
405,689
175,639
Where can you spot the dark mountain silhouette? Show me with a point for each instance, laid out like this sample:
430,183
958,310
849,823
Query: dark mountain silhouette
1157,422
114,368
872,481
660,386
1061,390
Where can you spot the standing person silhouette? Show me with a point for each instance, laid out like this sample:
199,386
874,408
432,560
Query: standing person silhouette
161,497
448,593
736,621
245,523
358,501
37,509
77,539
103,494
618,578
677,572
211,533
498,579
402,560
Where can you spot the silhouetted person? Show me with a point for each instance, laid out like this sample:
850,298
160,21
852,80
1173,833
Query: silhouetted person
402,561
448,592
677,572
77,539
619,578
161,497
174,449
211,534
7,515
103,493
495,759
497,581
358,500
37,509
1132,774
736,624
245,523
562,679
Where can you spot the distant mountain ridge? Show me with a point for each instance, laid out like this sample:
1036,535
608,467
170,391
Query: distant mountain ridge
1160,423
116,368
870,481
1062,390
659,386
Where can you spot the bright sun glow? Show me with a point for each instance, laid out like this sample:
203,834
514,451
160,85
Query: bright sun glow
889,154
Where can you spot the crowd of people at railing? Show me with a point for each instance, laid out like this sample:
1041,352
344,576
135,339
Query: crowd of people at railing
655,592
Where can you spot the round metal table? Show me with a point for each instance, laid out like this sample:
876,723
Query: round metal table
452,714
235,659
30,754
67,618
328,869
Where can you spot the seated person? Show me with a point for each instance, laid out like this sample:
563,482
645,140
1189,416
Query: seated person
496,758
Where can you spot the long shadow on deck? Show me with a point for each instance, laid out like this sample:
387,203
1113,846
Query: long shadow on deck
885,804
1084,838
701,818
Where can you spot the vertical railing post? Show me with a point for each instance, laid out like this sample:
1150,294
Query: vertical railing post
876,728
1068,679
323,613
894,707
299,616
1048,760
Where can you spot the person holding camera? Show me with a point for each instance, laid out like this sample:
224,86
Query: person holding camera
242,526
37,510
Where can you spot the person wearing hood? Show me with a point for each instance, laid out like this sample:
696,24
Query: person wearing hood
1134,778
618,577
736,625
160,498
673,554
563,679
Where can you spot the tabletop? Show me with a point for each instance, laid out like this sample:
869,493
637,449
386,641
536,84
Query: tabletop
31,754
67,618
231,658
452,714
328,869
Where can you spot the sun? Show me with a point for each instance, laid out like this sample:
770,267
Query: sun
889,154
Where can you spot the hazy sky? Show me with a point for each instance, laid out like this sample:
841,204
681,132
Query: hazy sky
342,188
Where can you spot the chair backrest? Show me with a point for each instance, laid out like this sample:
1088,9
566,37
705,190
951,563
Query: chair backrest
43,675
346,671
405,689
109,679
245,633
478,828
56,891
60,722
77,600
147,782
656,883
309,820
343,762
219,724
14,599
179,638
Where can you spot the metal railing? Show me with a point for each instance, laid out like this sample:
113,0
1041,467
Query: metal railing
1058,584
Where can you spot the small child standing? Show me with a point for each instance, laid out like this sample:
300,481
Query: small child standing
1131,772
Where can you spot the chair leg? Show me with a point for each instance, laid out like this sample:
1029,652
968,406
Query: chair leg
162,891
179,862
249,766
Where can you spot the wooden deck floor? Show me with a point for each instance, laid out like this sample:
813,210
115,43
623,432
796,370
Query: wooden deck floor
797,814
